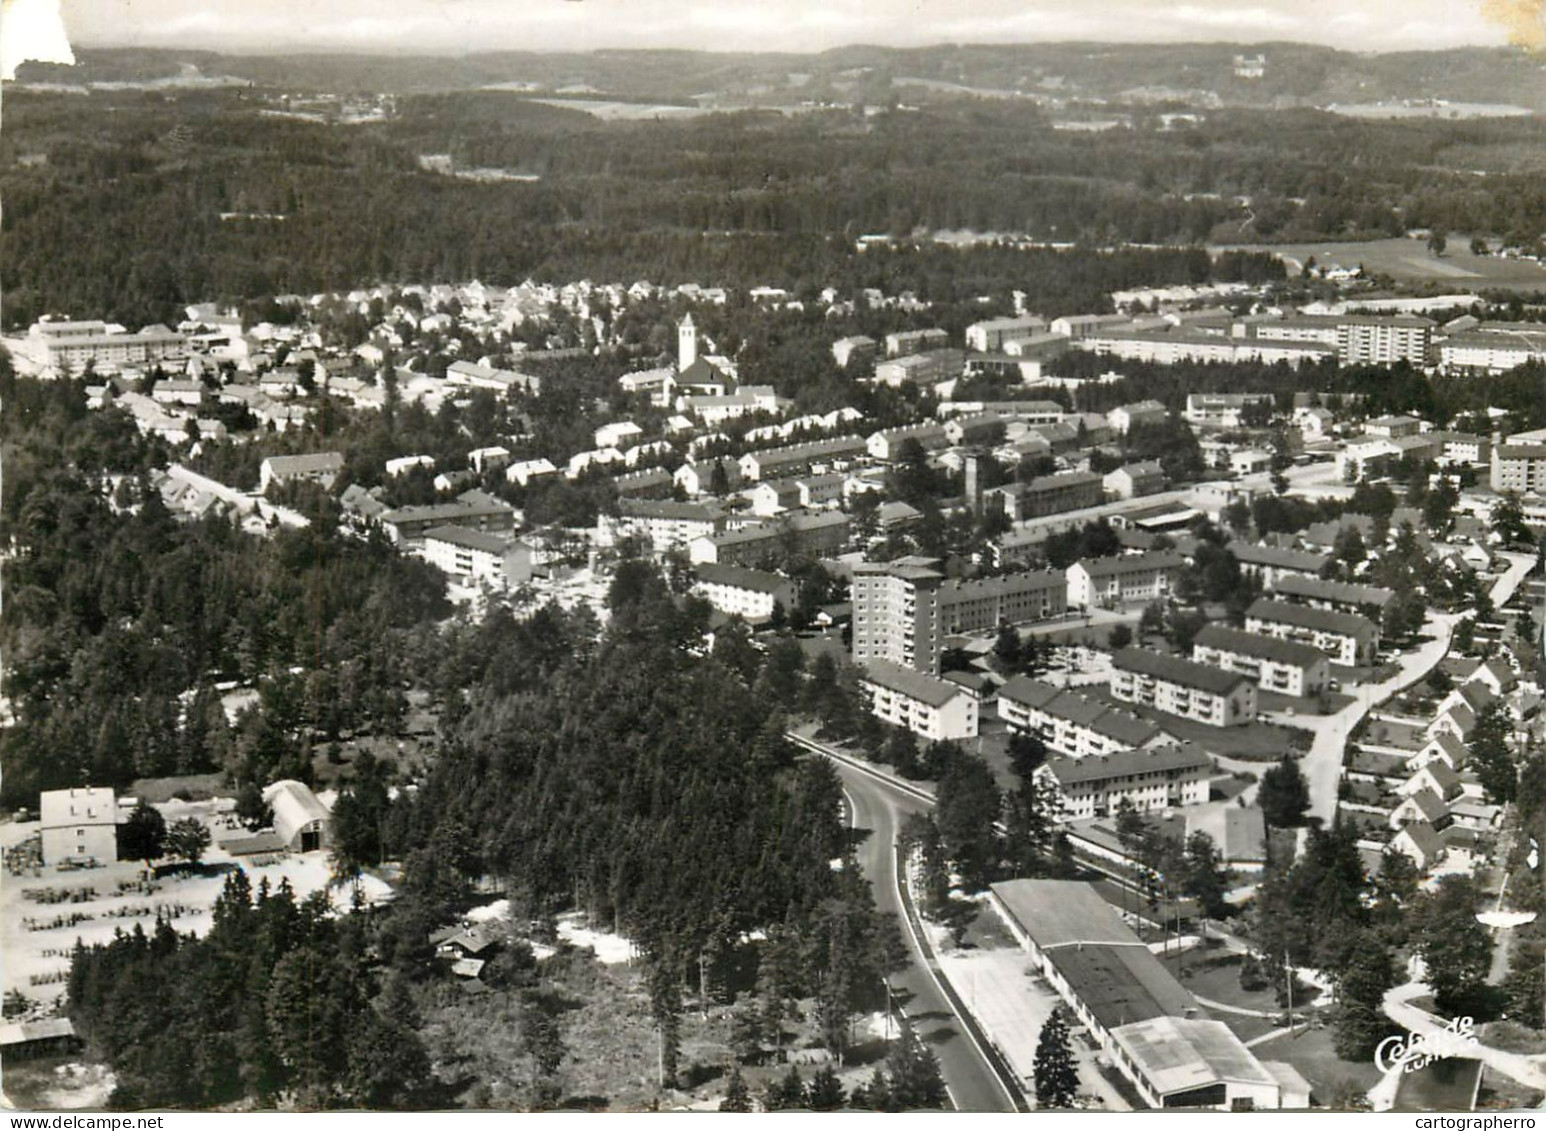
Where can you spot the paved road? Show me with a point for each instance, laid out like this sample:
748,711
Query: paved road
881,808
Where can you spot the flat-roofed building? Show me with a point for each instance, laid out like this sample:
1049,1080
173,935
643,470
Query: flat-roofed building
1182,688
1073,725
896,612
1284,666
1011,598
931,708
1346,638
1136,1012
1107,582
751,594
1099,785
1374,339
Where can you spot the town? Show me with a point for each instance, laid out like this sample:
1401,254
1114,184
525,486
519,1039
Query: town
1154,622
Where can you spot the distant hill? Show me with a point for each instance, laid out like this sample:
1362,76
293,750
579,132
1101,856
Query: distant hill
1262,75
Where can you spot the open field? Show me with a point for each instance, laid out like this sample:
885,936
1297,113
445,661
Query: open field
1408,260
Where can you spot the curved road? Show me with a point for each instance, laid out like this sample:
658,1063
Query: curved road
881,808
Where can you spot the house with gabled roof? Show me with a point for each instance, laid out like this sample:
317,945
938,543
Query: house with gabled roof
1435,776
1423,805
1443,747
1459,721
1421,844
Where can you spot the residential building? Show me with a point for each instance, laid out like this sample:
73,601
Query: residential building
1172,347
819,492
1284,666
774,496
665,524
78,825
1123,417
1134,480
698,478
1520,468
1079,326
990,336
1489,351
1097,786
468,556
1011,598
1393,427
1272,564
1384,340
774,543
1463,447
799,459
1225,410
318,467
750,594
487,459
1049,494
1142,1020
1108,582
472,510
1348,639
887,444
70,346
906,342
524,471
896,613
1179,687
471,375
1073,725
847,350
1338,596
920,368
932,708
404,464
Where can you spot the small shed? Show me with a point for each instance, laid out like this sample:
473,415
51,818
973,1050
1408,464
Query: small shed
303,823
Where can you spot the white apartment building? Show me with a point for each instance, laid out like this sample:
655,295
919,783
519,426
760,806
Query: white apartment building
1345,638
1150,780
1073,725
1105,582
1180,687
1284,666
932,708
896,613
79,824
750,594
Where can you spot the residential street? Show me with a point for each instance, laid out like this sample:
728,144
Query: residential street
880,808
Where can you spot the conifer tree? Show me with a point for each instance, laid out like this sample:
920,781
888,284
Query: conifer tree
1057,1080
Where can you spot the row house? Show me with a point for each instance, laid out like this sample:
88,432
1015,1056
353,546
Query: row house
1013,598
1338,596
799,459
1272,564
1102,785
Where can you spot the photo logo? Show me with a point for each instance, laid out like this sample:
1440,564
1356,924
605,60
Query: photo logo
1413,1051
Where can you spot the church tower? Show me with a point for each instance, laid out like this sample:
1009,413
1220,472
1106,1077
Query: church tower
686,344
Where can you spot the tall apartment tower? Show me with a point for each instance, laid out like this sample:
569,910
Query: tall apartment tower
686,344
896,613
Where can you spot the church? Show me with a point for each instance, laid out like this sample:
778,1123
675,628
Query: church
710,375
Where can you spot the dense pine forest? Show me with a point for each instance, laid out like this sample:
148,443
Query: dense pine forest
198,195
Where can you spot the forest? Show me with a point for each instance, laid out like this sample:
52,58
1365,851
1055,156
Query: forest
186,190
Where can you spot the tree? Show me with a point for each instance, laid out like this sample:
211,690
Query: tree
143,836
1006,648
912,1074
1026,753
875,1094
250,807
1284,796
1491,754
1478,246
825,1092
1203,875
1119,637
786,1093
1360,1022
738,1097
188,838
967,805
1508,520
1456,949
1057,1080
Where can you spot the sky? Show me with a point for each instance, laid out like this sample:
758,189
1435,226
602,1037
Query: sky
457,26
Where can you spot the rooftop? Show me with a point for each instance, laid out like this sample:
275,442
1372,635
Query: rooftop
471,539
1338,592
1258,645
1178,1054
1131,563
1303,616
1173,669
914,685
1060,913
1127,763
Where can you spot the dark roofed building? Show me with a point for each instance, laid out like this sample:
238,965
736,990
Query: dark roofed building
1284,666
1179,687
1346,638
